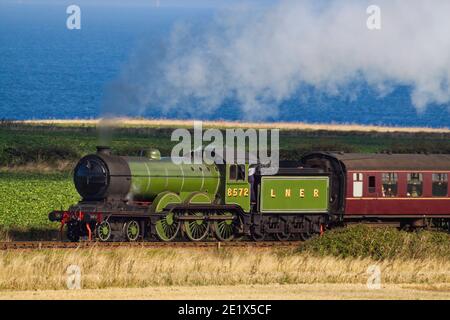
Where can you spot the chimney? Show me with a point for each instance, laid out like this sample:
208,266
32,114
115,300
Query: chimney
104,150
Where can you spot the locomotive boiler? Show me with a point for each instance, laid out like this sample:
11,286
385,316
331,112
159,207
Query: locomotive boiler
103,176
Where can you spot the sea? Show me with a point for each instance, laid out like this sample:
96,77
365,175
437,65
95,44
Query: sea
50,72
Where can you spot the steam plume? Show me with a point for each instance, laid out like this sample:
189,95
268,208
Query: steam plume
260,57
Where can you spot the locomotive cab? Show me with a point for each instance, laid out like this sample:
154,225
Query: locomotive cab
238,187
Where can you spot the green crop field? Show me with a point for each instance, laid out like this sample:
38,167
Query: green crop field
27,198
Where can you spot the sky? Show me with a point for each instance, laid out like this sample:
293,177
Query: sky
151,3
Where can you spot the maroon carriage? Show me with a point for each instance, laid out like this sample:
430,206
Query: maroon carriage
410,189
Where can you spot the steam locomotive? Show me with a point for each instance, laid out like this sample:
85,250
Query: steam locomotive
149,197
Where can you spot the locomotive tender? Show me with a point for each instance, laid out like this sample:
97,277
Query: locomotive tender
149,197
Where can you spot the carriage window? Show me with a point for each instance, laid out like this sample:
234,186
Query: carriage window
440,184
372,184
241,172
415,185
233,172
389,187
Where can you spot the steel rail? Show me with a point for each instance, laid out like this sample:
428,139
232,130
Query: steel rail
36,245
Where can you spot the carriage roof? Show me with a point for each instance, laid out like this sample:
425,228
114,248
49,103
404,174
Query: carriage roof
385,161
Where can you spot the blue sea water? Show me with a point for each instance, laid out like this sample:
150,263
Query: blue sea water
48,71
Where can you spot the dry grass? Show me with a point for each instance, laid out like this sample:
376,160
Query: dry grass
125,268
131,122
244,292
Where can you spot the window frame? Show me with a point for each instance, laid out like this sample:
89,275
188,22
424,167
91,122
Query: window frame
433,181
240,172
232,174
408,183
358,185
237,172
372,189
393,180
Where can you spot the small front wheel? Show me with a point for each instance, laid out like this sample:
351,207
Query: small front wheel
104,231
132,230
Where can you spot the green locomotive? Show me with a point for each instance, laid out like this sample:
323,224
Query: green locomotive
151,198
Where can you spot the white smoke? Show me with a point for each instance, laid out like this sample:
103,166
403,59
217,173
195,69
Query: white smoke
262,56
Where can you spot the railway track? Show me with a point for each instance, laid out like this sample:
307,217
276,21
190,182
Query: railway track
36,245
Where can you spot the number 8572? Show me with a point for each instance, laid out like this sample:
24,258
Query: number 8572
237,192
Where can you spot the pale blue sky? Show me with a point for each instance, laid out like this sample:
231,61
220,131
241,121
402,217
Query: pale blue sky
132,3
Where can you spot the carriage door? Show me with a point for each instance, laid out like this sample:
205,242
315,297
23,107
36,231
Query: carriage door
357,185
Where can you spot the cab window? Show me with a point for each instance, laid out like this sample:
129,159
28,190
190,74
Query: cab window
233,174
241,172
237,172
440,184
415,185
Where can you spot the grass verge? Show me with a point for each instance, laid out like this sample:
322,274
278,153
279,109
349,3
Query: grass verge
140,268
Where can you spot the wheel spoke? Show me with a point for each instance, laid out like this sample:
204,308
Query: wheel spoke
196,230
224,230
167,231
104,231
132,230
